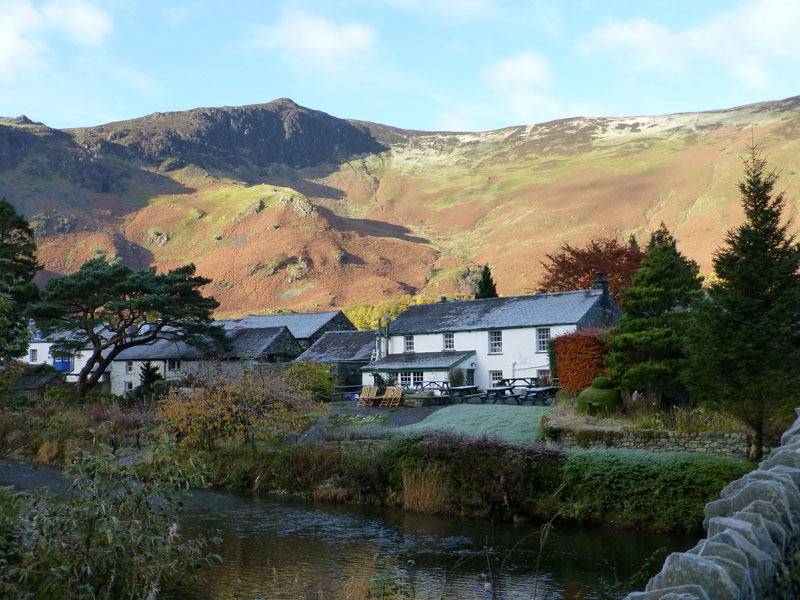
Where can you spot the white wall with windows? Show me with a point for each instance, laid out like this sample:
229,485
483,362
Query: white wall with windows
39,353
517,352
125,373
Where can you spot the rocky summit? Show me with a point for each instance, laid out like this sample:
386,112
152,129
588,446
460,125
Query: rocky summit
288,207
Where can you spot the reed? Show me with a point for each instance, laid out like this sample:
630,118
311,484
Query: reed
426,491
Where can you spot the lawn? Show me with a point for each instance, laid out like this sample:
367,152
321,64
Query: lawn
512,423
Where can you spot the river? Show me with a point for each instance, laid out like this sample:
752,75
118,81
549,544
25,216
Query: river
283,548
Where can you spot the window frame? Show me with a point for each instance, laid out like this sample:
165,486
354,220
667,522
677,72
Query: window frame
128,386
448,341
543,342
129,366
493,377
33,355
408,343
173,364
496,345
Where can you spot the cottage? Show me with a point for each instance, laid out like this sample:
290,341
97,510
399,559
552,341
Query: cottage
176,360
306,328
47,349
489,339
344,351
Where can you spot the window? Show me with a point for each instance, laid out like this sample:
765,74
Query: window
495,342
173,364
407,378
448,341
543,376
128,386
129,366
38,335
542,339
408,343
34,355
78,355
496,377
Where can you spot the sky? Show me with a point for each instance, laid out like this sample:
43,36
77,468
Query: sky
456,65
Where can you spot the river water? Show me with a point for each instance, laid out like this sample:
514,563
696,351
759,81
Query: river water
284,548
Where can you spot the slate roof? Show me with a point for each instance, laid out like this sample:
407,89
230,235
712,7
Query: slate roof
419,361
246,342
341,346
496,313
302,325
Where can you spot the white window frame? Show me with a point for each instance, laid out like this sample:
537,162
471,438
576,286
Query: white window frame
448,341
543,337
404,377
408,343
173,364
495,377
129,366
128,386
417,378
496,341
34,355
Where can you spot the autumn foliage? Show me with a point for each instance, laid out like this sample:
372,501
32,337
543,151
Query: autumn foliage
579,357
240,408
575,268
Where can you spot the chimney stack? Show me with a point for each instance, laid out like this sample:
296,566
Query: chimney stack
601,283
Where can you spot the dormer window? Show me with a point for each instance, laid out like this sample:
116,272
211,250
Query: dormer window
408,343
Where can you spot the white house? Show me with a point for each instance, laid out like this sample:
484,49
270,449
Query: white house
44,349
490,339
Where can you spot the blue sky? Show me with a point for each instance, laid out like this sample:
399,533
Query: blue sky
417,64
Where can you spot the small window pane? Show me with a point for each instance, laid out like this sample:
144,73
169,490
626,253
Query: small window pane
542,339
405,378
495,377
495,342
417,377
409,343
449,341
34,355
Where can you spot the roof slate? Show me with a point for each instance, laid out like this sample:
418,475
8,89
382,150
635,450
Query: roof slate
302,325
341,346
419,361
496,313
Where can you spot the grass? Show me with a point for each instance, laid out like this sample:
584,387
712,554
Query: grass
511,423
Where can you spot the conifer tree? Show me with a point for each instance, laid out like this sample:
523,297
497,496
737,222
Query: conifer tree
646,348
18,265
486,287
743,349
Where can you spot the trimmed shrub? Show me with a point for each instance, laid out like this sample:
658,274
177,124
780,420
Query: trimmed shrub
600,399
602,383
665,491
580,358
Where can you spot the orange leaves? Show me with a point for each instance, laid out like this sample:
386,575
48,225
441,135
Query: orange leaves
241,407
580,357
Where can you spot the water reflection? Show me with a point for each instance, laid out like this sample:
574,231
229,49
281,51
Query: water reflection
282,548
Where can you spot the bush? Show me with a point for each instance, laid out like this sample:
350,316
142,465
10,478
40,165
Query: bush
312,379
115,537
602,383
599,401
665,491
579,358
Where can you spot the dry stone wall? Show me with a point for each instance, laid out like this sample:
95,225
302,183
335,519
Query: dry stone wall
752,548
734,445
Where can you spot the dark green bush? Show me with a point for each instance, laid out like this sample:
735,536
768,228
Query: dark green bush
602,383
665,491
594,401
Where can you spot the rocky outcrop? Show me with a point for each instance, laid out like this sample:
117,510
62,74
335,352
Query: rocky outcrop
752,549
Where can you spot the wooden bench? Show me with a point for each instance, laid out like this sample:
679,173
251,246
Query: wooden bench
367,396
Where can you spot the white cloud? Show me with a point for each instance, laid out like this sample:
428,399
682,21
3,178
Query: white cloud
746,42
456,9
80,21
26,31
521,72
310,41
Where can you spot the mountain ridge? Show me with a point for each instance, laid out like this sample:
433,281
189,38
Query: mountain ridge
363,211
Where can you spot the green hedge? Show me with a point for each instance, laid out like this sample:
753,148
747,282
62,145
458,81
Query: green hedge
665,491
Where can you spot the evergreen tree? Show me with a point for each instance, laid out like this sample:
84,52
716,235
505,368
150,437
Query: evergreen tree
646,348
18,265
111,307
486,287
743,349
149,375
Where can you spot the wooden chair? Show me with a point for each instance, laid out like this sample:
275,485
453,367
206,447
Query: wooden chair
387,395
367,397
394,400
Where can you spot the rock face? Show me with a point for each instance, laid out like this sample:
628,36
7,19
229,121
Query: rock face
753,547
257,136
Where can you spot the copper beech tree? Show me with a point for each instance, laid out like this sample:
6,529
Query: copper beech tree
573,268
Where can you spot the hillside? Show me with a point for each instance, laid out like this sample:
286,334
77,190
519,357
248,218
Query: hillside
286,207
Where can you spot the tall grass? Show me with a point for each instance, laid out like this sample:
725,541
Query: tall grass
426,491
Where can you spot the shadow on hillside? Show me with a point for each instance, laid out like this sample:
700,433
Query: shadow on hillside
372,227
308,188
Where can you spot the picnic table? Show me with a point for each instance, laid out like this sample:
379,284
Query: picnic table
464,392
540,395
500,393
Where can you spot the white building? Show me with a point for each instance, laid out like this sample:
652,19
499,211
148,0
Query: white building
489,339
44,349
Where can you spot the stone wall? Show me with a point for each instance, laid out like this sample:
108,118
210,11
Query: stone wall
734,445
753,546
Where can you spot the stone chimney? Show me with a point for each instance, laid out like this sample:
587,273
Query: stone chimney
601,283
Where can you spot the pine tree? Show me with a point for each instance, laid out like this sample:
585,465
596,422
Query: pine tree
744,344
149,375
486,287
646,348
18,265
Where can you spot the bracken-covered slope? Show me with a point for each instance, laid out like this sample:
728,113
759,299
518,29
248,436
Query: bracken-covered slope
286,207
